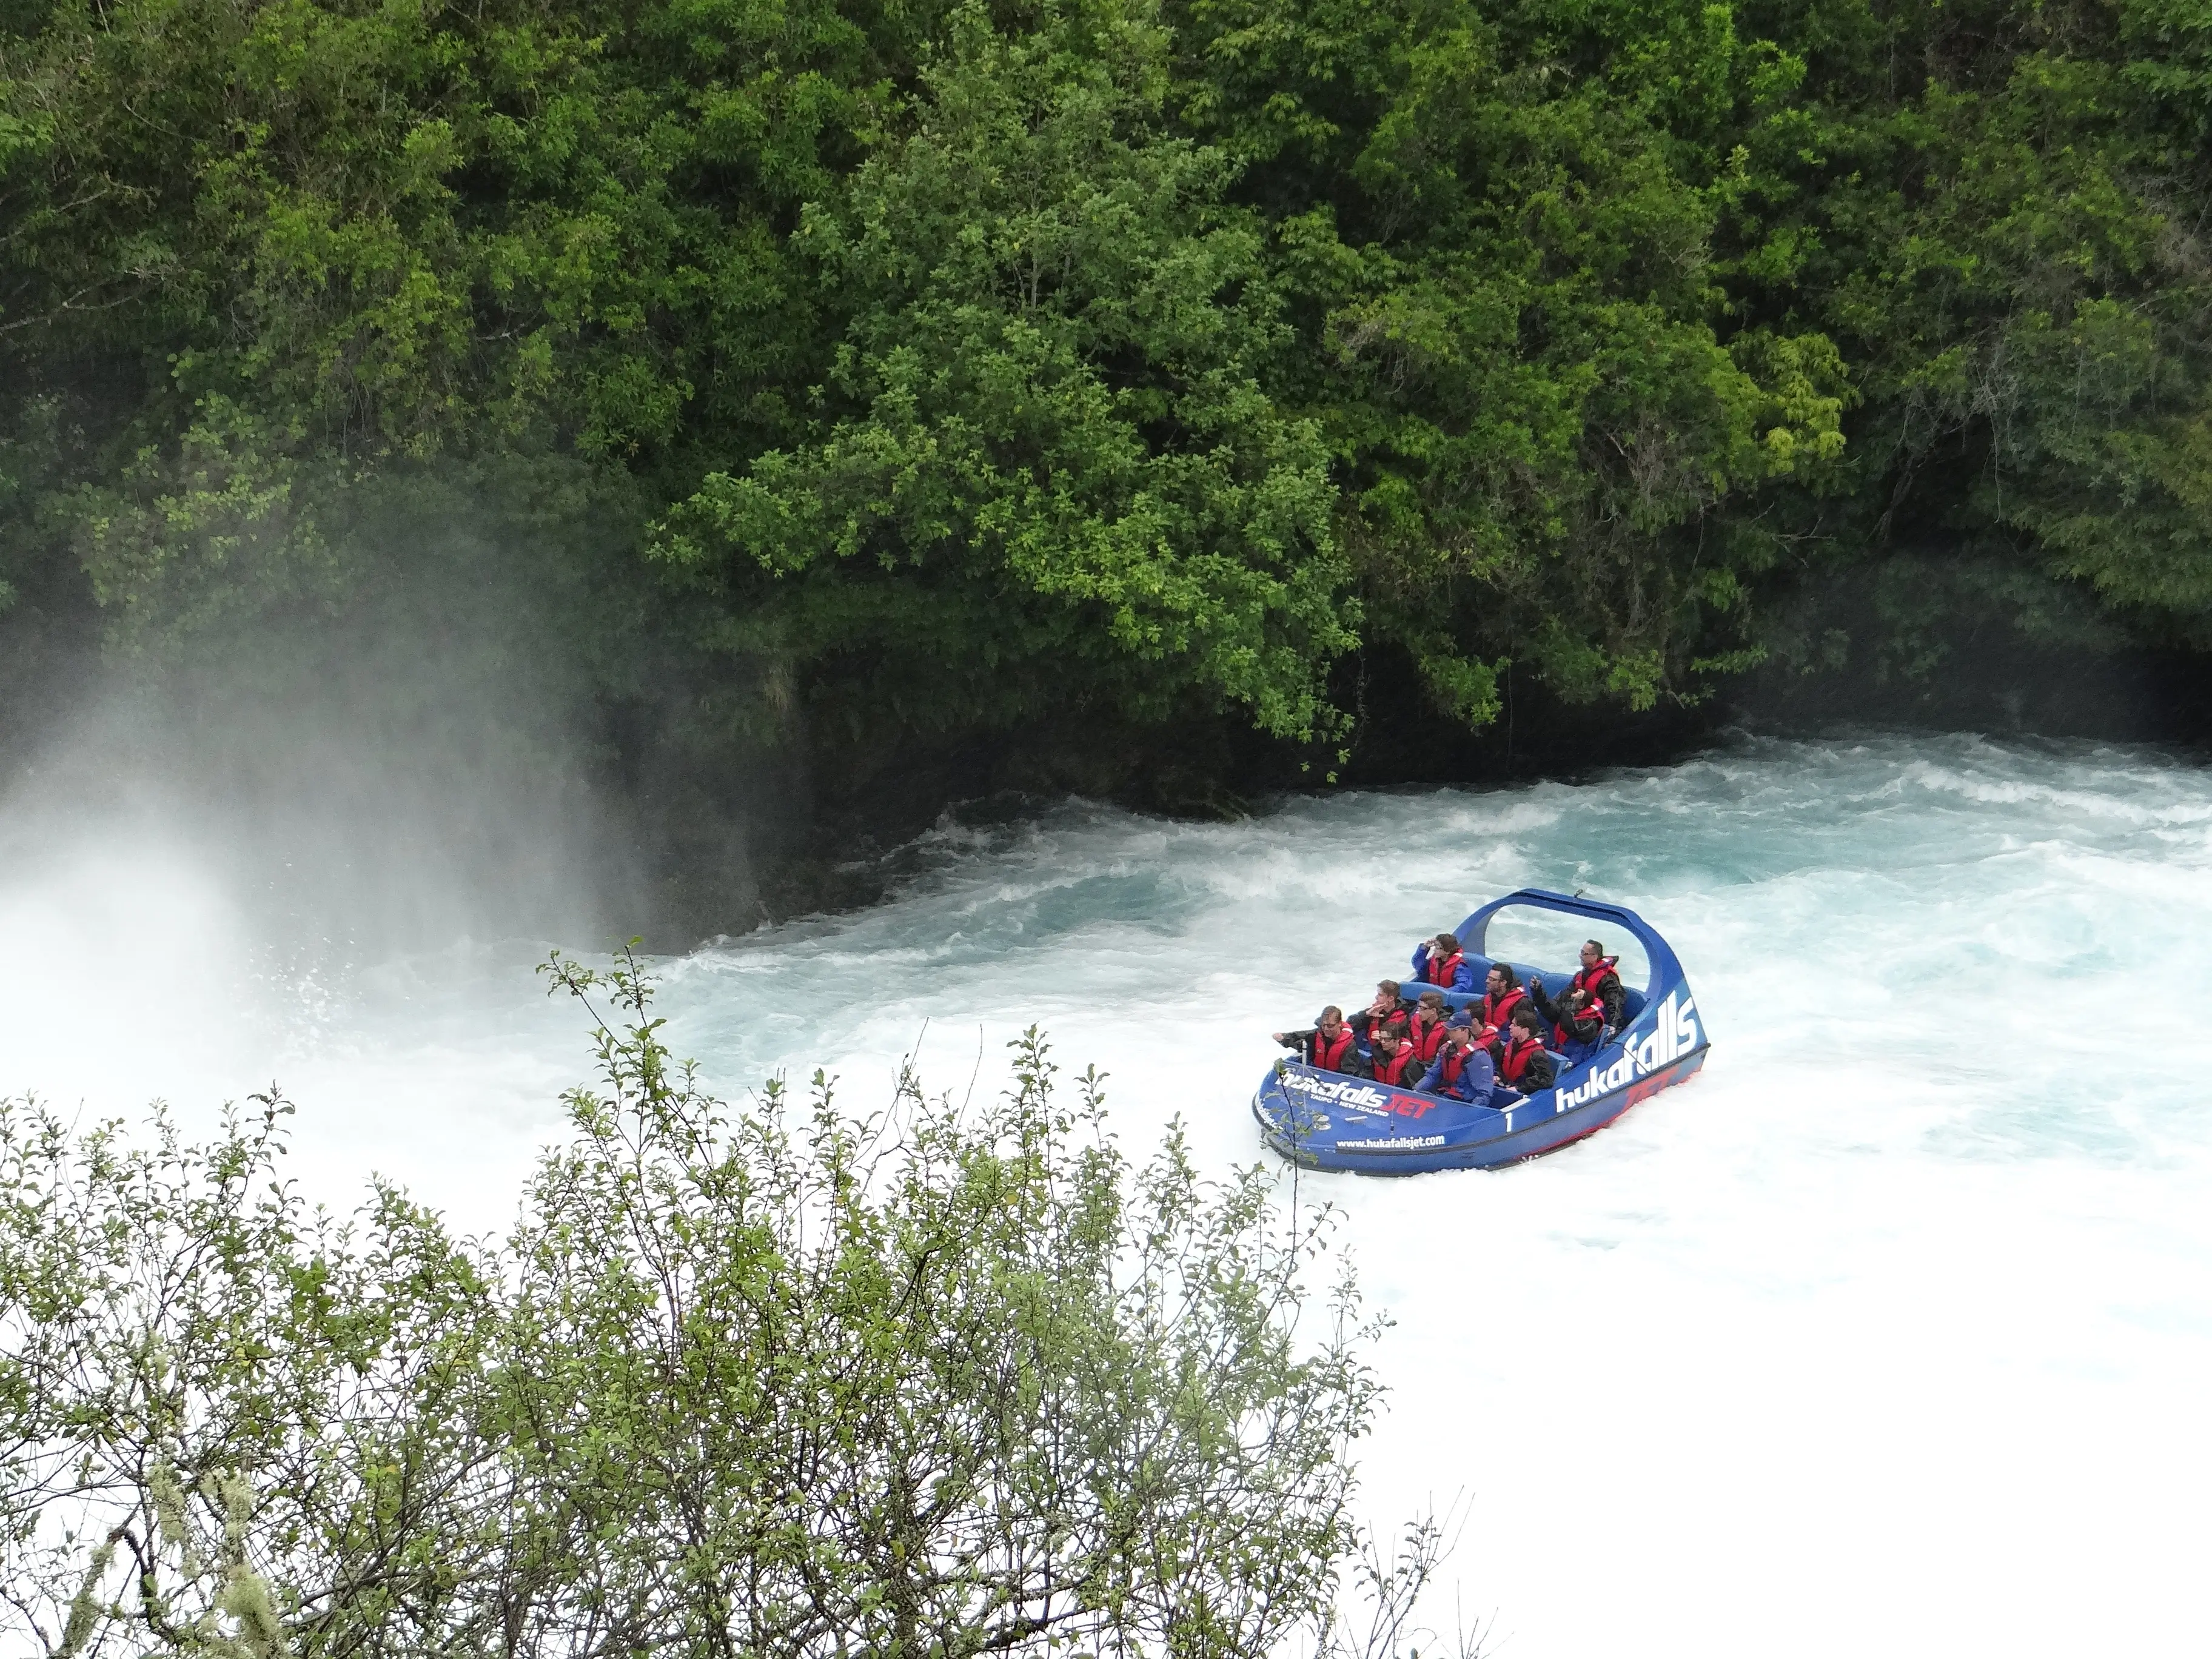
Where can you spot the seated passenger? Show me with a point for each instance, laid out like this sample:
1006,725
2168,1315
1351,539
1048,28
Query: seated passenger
1578,1021
1501,995
1391,1060
1395,1025
1426,1031
1441,963
1522,1066
1328,1046
1598,977
1462,1068
1388,1005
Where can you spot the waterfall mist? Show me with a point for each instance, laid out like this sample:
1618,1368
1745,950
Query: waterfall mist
209,851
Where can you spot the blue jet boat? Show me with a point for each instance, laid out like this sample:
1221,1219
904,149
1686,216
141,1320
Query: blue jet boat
1327,1120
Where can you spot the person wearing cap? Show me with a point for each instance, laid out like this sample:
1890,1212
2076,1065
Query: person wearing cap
1463,1069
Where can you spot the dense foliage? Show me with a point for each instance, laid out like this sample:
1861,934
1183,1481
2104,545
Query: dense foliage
942,365
776,1380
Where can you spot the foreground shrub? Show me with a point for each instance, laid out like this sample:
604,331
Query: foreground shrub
955,1379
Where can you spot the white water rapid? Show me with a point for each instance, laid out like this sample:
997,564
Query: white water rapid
1891,1334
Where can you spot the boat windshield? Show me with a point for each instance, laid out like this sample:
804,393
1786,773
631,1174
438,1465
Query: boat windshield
1550,939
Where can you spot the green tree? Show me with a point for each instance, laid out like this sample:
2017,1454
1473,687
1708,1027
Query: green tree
951,1382
955,1379
955,370
1502,252
232,1425
1045,455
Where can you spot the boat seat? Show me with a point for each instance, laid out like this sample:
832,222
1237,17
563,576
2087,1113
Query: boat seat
1566,1060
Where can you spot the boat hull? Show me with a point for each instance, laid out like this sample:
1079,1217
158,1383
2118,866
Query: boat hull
1410,1133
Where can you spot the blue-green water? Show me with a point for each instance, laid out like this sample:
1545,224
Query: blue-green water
1890,1333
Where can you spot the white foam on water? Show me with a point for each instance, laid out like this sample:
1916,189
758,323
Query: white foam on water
1892,1331
122,978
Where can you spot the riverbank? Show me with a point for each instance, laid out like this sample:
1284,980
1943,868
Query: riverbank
847,848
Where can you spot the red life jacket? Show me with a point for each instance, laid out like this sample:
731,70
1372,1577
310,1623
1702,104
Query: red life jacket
1497,1011
1426,1042
1393,1070
1588,979
1400,1013
1328,1052
1440,970
1564,1032
1514,1057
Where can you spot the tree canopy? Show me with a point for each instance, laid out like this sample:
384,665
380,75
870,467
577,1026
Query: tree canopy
950,363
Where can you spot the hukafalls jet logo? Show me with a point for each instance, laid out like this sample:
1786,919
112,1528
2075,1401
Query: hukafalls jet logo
1347,1092
1672,1033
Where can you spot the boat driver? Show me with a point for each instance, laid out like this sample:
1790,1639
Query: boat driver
1327,1045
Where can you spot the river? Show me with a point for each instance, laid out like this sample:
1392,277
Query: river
1891,1331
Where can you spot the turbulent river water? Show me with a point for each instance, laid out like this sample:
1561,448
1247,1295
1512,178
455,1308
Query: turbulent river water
1892,1332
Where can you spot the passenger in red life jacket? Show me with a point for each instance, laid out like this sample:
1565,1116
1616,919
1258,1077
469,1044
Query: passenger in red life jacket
1598,977
1462,1068
1502,994
1395,1025
1391,1060
1440,961
1425,1031
1328,1046
1578,1021
1522,1065
1388,1005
